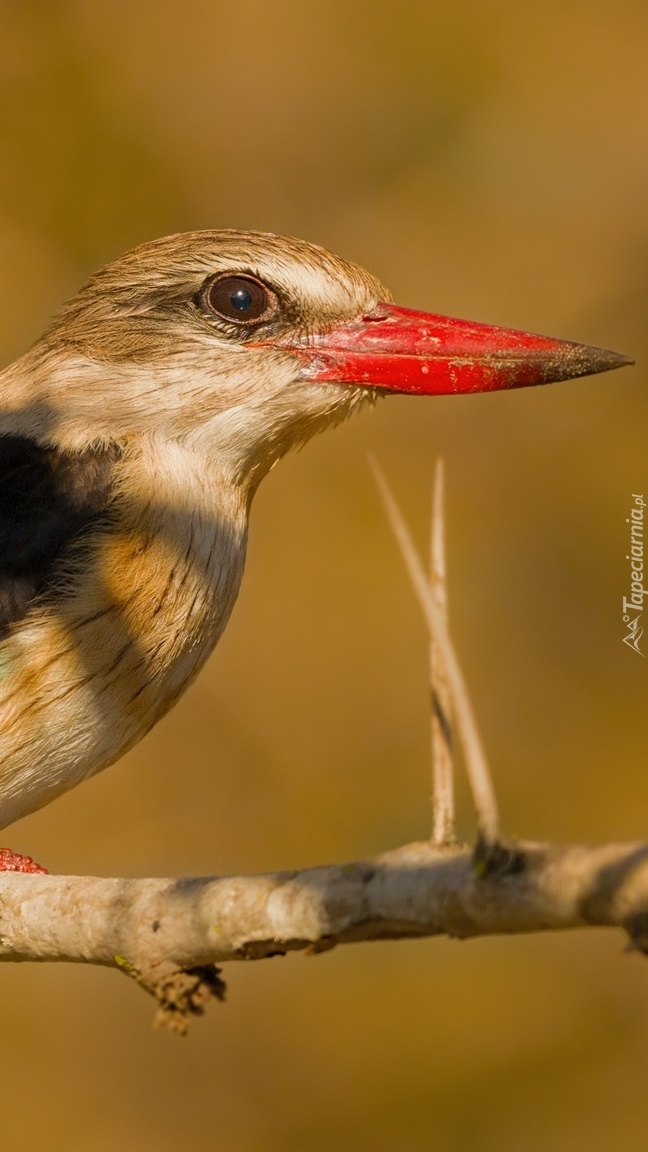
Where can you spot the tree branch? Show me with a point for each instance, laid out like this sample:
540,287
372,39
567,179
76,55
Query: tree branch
416,890
166,933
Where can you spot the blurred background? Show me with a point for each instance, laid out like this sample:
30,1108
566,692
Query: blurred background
484,160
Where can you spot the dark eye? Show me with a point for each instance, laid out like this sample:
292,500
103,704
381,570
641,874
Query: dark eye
240,298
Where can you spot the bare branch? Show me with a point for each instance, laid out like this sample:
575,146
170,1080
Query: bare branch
156,925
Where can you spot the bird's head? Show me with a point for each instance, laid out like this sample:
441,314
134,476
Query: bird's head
243,344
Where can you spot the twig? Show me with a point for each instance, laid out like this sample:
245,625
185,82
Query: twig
476,764
443,831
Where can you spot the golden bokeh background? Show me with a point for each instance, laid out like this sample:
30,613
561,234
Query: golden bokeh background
484,160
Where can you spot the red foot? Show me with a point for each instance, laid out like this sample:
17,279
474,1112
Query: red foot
14,862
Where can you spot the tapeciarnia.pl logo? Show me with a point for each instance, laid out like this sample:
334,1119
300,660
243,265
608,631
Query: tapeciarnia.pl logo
635,600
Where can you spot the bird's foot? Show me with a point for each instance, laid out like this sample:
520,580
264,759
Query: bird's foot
14,862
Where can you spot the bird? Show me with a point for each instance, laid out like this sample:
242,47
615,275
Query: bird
133,436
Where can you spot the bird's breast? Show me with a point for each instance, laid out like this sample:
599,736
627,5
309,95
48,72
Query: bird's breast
158,603
88,675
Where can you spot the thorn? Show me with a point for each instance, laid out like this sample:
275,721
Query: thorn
479,776
443,814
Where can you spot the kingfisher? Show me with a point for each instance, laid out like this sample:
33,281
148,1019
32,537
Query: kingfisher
133,436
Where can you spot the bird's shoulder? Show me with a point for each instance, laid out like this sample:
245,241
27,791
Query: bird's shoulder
49,499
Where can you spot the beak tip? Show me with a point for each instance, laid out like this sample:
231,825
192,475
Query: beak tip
589,361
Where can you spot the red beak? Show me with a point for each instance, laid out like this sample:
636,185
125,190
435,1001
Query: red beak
406,351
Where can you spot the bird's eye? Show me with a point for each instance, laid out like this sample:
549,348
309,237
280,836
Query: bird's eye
242,299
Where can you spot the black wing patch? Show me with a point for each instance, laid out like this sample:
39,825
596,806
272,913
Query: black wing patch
48,499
